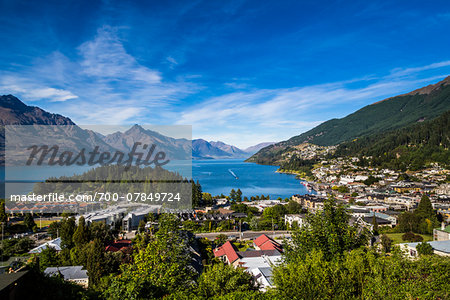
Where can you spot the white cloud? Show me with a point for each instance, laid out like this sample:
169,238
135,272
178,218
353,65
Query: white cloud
109,84
172,61
106,58
399,72
104,84
31,91
277,114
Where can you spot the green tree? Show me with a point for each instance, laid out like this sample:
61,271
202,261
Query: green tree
361,274
196,194
3,215
233,195
66,232
28,221
425,209
100,231
239,195
220,279
48,258
293,207
386,243
53,229
424,249
374,226
141,226
327,231
95,261
159,268
81,234
207,199
221,239
407,222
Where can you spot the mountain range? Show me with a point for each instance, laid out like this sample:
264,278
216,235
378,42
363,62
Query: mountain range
383,116
15,112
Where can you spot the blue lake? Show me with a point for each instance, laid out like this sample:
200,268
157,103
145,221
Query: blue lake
253,179
215,176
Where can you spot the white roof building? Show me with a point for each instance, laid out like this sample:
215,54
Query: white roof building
74,274
55,244
439,248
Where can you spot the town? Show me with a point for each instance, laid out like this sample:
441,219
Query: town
248,233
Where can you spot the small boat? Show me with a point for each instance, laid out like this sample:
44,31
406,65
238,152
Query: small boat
232,173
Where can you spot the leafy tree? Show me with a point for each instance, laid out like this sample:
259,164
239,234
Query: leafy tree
81,234
159,268
3,215
66,232
425,209
233,195
101,232
371,180
422,220
239,195
221,279
48,258
360,274
424,249
141,226
374,225
207,199
221,239
407,222
196,194
95,261
54,229
10,247
327,231
343,189
29,221
78,256
293,207
386,243
275,214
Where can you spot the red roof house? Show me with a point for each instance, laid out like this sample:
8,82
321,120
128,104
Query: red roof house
263,242
227,251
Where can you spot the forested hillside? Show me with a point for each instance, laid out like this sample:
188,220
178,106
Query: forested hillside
411,147
390,114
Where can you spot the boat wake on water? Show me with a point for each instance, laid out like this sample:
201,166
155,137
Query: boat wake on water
232,173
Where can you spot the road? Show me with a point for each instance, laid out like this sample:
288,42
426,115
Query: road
246,235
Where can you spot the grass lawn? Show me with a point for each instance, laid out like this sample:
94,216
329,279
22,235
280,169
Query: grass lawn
244,245
44,222
39,224
397,237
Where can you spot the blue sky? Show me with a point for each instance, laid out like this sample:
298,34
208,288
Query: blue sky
242,72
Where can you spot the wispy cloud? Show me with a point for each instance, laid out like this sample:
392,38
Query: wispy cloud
105,58
31,90
101,83
172,61
281,113
399,72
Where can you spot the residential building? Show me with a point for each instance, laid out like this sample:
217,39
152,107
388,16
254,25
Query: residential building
74,274
439,248
442,234
55,244
258,261
290,219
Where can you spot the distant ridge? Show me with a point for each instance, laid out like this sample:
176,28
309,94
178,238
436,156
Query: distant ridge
14,112
393,113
